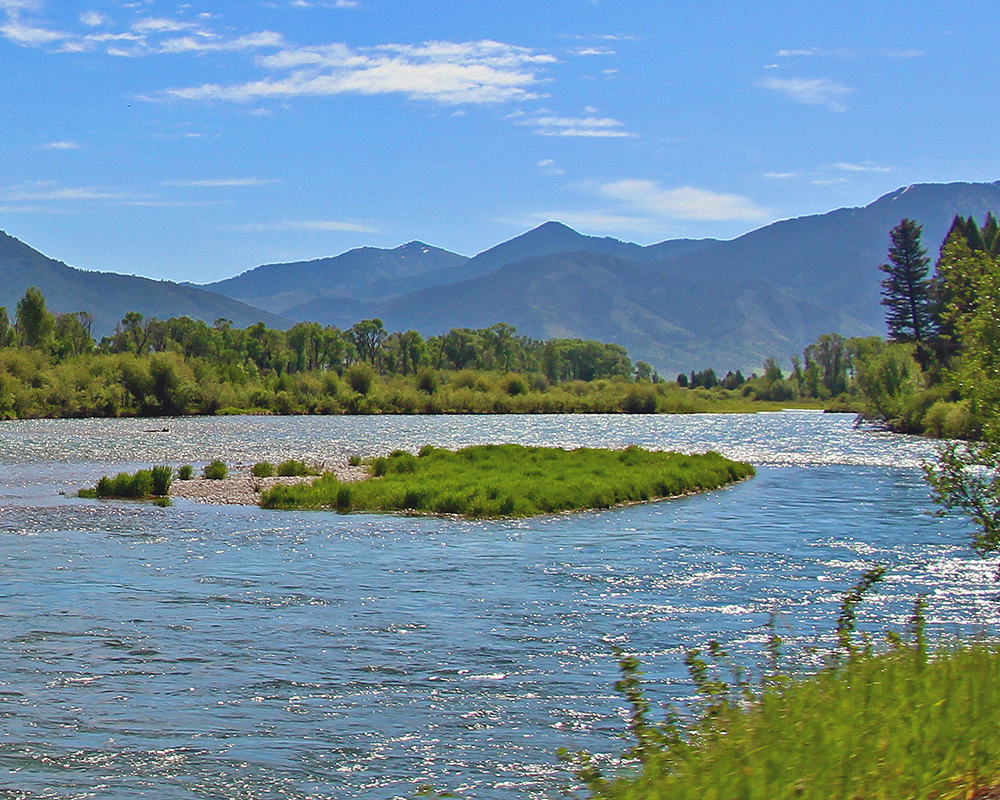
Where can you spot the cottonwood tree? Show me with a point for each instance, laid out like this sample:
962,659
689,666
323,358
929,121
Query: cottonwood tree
34,323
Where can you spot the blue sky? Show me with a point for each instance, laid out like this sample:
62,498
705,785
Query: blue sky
192,141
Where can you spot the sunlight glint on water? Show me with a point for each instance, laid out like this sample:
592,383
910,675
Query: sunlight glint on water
211,652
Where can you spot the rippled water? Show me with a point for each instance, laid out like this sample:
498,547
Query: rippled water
219,652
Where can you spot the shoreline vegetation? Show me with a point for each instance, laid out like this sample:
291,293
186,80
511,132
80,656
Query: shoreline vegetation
510,480
905,720
52,367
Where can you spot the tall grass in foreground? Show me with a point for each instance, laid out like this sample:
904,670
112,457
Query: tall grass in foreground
513,481
898,725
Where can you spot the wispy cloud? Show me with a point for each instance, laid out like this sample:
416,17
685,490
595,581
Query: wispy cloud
548,167
350,226
811,91
644,206
779,175
330,4
93,19
144,35
160,25
29,35
68,198
473,72
222,182
685,202
446,72
790,53
46,191
593,51
65,145
861,167
203,43
596,127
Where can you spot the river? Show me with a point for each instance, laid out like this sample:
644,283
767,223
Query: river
224,652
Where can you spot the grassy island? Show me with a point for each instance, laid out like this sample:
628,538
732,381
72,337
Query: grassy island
492,481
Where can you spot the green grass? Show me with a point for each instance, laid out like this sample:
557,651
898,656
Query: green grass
893,725
140,485
885,727
490,481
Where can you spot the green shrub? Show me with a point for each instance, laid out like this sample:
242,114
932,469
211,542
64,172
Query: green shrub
641,399
354,461
185,473
216,471
360,377
427,380
262,469
293,468
161,477
143,483
514,384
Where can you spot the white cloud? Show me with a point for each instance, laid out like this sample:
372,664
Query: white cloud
65,145
160,25
65,197
146,35
93,19
29,36
686,202
45,191
593,51
811,91
779,175
446,72
333,4
861,167
203,43
548,167
789,53
222,182
598,127
308,225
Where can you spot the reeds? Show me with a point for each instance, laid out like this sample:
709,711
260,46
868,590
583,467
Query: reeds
901,724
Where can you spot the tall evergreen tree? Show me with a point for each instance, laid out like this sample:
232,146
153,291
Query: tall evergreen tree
974,236
989,231
906,289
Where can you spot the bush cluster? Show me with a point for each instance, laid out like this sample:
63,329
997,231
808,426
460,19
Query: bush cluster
142,484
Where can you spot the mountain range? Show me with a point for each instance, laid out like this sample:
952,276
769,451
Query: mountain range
681,304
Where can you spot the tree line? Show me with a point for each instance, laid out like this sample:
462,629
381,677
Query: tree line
309,346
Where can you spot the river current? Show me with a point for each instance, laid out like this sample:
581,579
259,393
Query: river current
202,651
